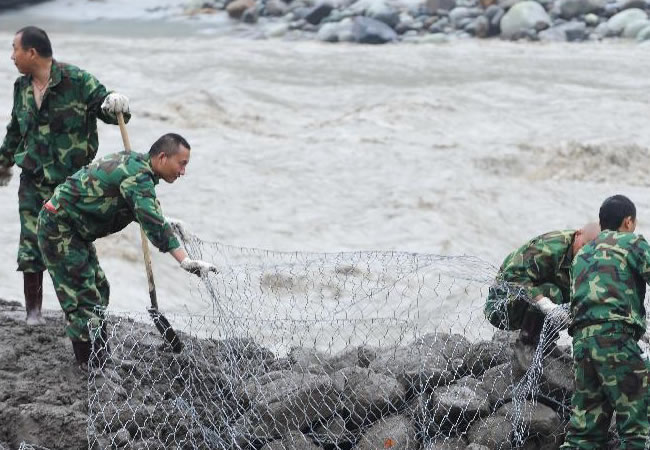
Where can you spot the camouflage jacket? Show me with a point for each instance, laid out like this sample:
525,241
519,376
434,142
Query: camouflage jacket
53,142
542,266
110,193
608,281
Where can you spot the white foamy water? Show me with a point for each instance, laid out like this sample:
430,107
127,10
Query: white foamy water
467,148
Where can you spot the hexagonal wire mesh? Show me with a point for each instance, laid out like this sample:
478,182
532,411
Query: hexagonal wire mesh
361,350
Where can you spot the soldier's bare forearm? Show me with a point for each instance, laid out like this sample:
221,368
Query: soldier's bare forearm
179,254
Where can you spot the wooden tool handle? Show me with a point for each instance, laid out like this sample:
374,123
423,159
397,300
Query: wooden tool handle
145,243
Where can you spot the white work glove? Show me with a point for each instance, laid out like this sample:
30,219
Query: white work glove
546,305
558,313
5,175
197,267
116,103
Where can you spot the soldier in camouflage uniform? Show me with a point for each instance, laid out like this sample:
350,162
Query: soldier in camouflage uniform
533,280
52,133
608,281
99,200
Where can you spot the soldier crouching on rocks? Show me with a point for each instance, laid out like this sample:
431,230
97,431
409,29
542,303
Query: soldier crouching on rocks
52,134
98,200
533,281
608,281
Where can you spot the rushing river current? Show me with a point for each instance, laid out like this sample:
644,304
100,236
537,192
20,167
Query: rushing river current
470,147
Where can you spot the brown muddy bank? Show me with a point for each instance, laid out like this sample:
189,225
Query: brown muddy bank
43,395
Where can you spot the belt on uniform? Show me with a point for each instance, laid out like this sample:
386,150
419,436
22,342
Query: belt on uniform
605,328
49,207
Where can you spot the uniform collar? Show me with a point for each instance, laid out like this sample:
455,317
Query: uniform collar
142,159
56,73
567,259
147,159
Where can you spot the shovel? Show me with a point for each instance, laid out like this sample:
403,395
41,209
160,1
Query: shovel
160,321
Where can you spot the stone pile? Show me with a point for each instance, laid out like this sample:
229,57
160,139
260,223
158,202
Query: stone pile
382,21
439,392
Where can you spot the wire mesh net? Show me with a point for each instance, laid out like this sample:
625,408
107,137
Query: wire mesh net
366,350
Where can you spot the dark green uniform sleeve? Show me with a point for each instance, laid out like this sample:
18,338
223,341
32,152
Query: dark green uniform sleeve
549,290
12,138
642,257
140,195
95,94
534,266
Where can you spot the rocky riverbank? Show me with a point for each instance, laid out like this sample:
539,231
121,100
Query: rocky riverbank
14,4
43,396
383,21
437,392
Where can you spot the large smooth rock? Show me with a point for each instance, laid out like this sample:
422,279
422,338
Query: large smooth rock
318,13
632,29
251,15
603,31
370,31
542,425
381,11
236,8
461,13
451,409
333,433
395,432
439,25
491,432
436,359
555,378
569,9
498,383
304,359
617,23
275,8
644,34
284,401
628,4
366,395
525,16
567,32
484,355
592,19
494,14
479,27
329,32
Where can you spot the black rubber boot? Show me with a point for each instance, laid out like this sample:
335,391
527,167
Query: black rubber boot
82,351
33,290
531,327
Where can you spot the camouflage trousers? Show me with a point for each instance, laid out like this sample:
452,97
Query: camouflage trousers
31,196
610,376
507,304
80,283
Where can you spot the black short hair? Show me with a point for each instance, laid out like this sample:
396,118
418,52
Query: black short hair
614,210
36,38
168,144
